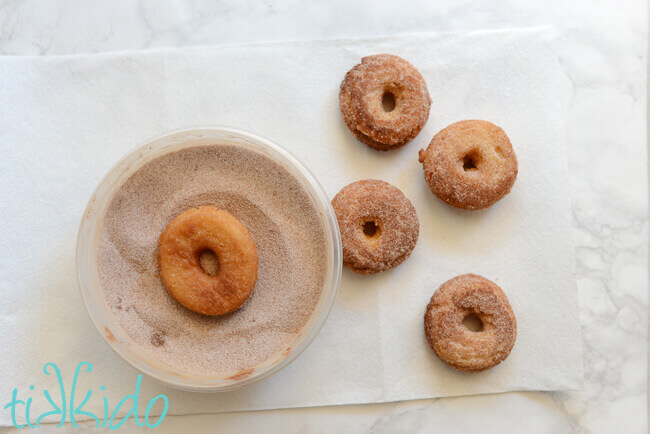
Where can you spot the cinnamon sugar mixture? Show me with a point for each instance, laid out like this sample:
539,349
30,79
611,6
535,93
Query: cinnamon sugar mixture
283,223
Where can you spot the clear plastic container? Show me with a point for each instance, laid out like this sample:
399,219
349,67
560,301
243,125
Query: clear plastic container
93,295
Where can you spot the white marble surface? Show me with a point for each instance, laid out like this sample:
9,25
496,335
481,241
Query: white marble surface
603,52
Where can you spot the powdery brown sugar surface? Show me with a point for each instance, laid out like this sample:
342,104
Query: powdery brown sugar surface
283,223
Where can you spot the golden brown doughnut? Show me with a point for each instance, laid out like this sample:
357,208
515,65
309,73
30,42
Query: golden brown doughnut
384,101
470,164
379,226
193,232
455,344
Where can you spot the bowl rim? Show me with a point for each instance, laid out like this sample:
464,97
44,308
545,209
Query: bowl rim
329,289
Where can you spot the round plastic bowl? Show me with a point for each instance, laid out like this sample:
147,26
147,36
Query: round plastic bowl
87,267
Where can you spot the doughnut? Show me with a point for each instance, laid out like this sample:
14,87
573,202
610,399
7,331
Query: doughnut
456,344
186,237
384,101
470,164
379,226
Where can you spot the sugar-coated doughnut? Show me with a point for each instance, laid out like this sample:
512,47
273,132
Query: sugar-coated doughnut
470,164
379,226
456,344
384,101
182,242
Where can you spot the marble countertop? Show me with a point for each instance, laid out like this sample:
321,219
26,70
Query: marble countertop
603,51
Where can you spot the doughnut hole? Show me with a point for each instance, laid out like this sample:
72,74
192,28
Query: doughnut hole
473,323
471,161
371,229
209,262
388,101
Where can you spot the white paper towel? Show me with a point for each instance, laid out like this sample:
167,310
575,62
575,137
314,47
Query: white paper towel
65,120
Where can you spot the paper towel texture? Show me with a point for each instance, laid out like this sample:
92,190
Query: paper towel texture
66,120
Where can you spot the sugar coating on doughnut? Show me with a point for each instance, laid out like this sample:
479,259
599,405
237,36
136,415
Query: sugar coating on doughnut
361,101
378,224
470,164
455,344
181,244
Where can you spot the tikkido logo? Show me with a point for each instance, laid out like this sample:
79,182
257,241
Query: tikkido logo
64,405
